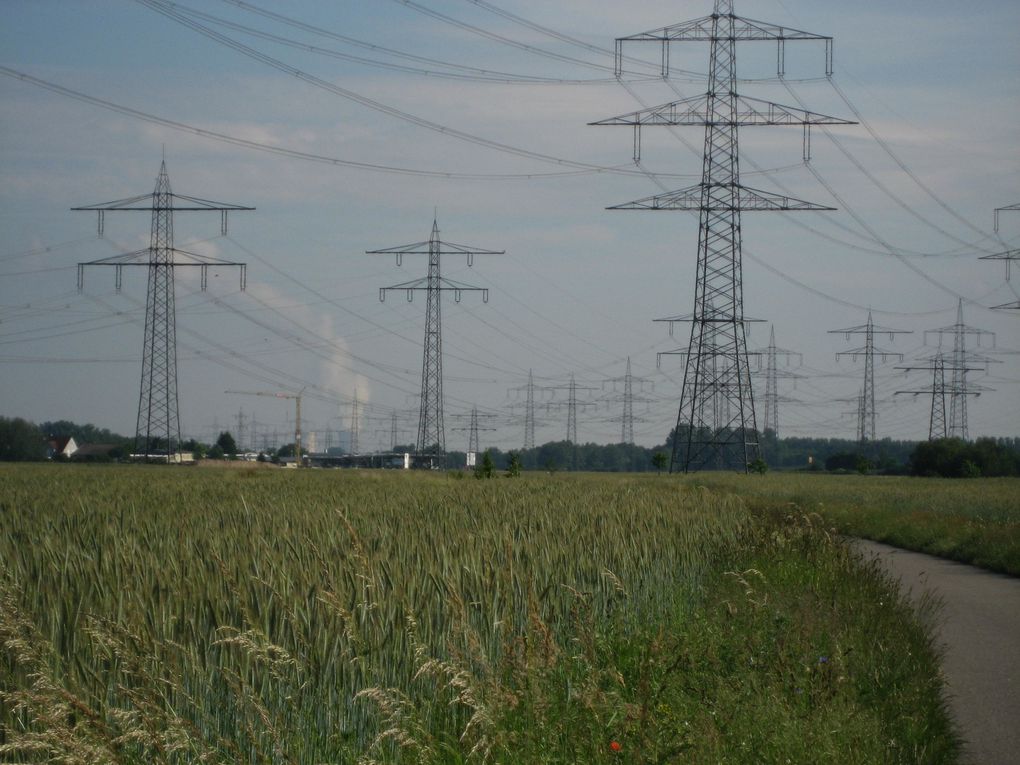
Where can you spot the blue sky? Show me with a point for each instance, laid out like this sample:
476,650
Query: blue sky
578,289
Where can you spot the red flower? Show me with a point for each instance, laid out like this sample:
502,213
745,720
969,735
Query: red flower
615,746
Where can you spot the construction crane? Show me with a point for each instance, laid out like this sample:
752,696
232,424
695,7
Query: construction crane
296,397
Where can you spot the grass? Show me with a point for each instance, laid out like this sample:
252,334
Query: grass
172,615
974,521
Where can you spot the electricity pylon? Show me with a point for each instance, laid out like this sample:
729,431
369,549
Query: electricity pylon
571,404
1009,256
716,422
473,428
296,398
962,361
431,431
866,407
772,376
529,409
355,424
158,426
628,399
938,423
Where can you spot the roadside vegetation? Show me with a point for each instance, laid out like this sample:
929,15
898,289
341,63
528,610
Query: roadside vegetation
973,521
173,615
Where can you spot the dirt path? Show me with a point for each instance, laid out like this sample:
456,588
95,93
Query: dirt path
979,631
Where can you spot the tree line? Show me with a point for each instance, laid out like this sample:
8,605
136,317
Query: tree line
21,440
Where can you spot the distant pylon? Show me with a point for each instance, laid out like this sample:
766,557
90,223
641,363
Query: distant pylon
473,428
937,421
715,424
571,404
772,376
627,400
431,430
627,431
961,362
355,425
158,426
393,431
529,414
866,410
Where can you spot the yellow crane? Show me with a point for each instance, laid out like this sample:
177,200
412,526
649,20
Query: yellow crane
296,397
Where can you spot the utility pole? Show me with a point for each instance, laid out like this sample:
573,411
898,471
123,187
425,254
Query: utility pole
296,398
866,407
716,422
962,361
529,409
431,432
158,425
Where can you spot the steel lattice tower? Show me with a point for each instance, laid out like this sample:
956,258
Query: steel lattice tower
158,425
866,418
627,428
355,425
571,404
937,421
1008,256
431,431
627,400
716,422
961,362
529,414
474,419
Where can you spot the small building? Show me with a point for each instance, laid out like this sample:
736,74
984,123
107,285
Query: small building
61,446
93,452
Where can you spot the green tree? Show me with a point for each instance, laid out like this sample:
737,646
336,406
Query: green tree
513,469
659,461
20,441
226,443
486,467
215,452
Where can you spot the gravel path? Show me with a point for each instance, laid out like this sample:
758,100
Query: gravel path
979,631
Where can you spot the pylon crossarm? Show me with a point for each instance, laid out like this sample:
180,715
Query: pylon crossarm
747,199
143,203
422,285
748,112
703,30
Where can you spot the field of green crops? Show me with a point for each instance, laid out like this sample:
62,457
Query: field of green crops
974,521
180,615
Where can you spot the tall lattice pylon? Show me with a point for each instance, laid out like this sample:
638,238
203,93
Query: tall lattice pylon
431,430
772,376
716,422
529,413
627,427
158,425
962,361
571,404
475,425
355,424
937,421
1008,256
867,418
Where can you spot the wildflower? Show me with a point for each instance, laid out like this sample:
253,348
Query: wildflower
615,746
823,659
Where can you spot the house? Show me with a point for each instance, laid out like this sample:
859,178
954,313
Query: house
93,452
61,446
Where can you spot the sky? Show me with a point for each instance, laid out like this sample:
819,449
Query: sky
351,126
